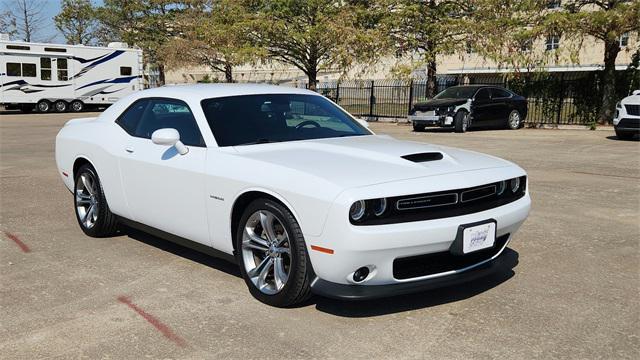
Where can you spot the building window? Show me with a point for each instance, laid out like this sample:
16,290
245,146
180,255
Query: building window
554,4
526,45
14,69
125,70
45,68
63,73
553,42
624,39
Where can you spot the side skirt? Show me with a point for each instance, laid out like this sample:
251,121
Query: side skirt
178,240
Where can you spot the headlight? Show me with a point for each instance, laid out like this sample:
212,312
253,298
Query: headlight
502,185
515,184
357,210
379,206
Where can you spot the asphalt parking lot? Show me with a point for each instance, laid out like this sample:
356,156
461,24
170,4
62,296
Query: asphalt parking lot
573,291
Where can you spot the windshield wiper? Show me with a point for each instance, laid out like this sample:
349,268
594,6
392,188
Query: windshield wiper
259,141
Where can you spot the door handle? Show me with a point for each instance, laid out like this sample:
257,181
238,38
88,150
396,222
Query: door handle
129,150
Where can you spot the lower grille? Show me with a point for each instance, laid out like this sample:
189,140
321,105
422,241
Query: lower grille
429,264
629,123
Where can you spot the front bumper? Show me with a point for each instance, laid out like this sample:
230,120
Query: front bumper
500,263
627,124
431,120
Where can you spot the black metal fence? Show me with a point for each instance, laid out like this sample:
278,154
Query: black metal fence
561,98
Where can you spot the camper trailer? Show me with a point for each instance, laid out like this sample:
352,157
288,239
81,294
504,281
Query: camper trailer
60,78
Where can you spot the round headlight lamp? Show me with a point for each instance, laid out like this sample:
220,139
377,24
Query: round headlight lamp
502,185
379,206
356,212
515,184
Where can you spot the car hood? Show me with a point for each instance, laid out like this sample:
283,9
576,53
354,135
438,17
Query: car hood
631,100
436,103
367,160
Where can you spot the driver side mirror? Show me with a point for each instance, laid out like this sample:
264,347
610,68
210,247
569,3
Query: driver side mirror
363,123
169,137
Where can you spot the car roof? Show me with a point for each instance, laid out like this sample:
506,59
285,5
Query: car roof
205,91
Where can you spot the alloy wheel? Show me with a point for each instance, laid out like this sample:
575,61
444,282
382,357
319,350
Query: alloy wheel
86,197
514,120
266,251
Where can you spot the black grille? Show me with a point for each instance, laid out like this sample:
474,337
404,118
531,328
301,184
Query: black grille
633,109
429,264
629,124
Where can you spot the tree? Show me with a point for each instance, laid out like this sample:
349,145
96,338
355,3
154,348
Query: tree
314,35
605,21
147,24
77,21
428,29
26,18
7,23
211,33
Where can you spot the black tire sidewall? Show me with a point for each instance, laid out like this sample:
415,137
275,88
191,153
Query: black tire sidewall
418,127
71,107
458,122
43,102
519,121
55,107
299,259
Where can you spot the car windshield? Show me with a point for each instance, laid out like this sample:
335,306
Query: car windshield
457,92
266,118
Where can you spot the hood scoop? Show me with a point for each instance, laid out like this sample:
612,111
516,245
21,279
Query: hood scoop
423,157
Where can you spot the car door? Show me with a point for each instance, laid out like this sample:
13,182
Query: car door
164,189
483,107
502,101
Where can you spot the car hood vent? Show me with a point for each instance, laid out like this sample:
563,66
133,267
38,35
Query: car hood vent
423,157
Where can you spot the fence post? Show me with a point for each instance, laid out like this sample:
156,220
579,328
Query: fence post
372,100
410,96
560,99
338,92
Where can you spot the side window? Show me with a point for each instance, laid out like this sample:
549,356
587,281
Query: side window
169,113
45,68
28,70
63,73
483,94
130,119
125,70
14,69
500,93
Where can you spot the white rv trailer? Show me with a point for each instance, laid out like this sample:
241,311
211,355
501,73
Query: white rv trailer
53,77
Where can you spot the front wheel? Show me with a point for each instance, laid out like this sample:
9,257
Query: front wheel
272,255
514,121
92,212
461,122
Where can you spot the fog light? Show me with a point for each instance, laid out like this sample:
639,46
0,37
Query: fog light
361,274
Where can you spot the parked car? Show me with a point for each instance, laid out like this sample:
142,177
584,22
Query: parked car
282,181
627,119
462,107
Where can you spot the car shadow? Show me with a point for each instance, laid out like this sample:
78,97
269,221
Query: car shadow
402,303
613,137
182,251
344,308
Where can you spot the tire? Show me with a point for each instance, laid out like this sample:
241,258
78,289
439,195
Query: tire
514,121
624,135
76,106
418,127
254,255
461,122
43,106
60,106
88,193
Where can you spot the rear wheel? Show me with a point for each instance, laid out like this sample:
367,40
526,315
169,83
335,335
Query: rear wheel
418,127
43,106
60,106
461,122
514,121
272,255
76,106
92,212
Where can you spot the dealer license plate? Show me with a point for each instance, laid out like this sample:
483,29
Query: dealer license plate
478,237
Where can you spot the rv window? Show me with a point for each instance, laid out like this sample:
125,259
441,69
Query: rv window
125,70
63,74
13,69
29,70
45,68
18,47
55,49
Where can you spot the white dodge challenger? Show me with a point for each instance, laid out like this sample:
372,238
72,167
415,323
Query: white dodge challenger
304,197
